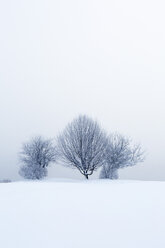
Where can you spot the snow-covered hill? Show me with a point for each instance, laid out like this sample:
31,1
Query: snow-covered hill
82,214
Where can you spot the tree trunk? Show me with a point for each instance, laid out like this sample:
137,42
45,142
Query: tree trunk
86,176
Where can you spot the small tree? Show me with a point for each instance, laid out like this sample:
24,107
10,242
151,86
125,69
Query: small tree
82,145
119,154
35,157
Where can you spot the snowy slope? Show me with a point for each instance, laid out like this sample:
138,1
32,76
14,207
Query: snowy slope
78,214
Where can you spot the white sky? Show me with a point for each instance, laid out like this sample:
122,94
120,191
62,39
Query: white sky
101,58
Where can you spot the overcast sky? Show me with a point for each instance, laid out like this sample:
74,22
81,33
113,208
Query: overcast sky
102,58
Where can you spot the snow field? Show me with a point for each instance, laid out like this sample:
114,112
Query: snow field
78,214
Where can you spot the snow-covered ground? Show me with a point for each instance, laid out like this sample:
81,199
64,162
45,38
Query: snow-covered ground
82,214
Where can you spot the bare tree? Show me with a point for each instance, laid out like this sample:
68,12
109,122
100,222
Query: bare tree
120,153
35,157
82,145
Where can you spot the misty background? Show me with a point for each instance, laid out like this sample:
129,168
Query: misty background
102,58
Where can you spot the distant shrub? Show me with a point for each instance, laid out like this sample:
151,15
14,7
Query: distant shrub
5,181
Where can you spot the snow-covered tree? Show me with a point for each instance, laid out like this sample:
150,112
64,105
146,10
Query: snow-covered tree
82,145
108,172
35,157
120,153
